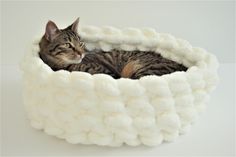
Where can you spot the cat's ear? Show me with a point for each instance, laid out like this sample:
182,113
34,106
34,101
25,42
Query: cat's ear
74,26
51,31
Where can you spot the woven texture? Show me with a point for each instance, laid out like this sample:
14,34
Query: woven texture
97,109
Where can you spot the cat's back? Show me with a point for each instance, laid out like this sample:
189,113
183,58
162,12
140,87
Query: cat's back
121,55
120,58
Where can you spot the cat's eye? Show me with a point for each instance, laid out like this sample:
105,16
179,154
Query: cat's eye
59,53
64,46
67,45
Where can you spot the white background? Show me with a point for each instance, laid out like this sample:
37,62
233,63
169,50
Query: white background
210,25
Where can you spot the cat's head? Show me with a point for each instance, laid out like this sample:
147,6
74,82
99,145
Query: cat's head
60,48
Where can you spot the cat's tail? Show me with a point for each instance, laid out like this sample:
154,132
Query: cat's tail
130,68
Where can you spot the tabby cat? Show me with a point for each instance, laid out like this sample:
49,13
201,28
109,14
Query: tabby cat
64,49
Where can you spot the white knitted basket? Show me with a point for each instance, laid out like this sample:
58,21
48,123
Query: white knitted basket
97,109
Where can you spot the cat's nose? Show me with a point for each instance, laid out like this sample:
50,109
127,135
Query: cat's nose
79,50
78,55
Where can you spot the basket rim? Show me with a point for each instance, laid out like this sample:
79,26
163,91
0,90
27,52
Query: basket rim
165,44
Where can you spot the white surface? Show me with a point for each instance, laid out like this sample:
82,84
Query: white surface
210,25
213,134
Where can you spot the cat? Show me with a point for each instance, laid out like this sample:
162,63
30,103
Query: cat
64,49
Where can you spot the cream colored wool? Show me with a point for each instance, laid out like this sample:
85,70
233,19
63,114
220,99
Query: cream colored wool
97,109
